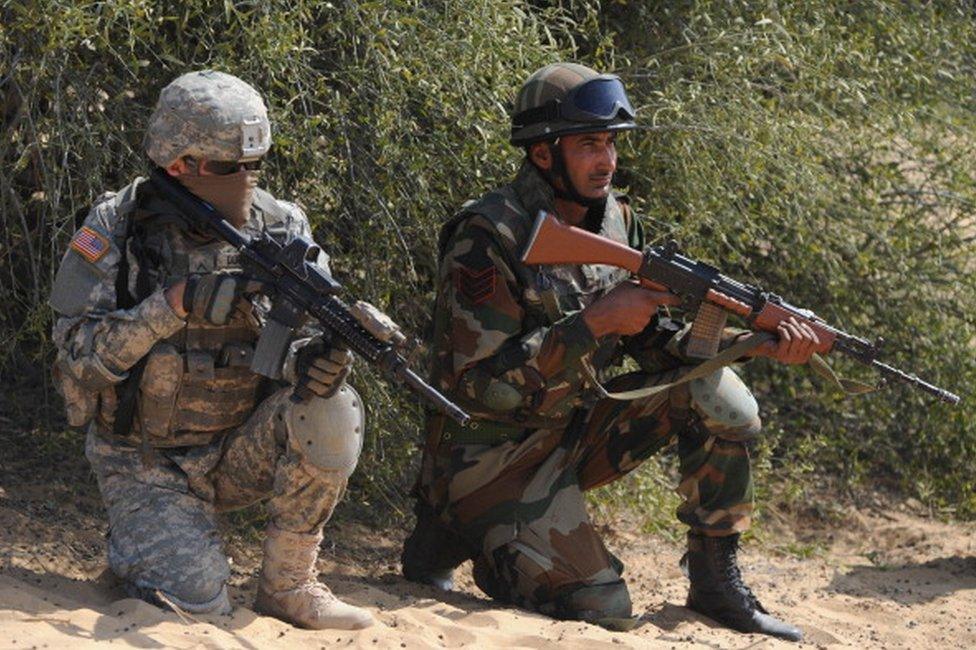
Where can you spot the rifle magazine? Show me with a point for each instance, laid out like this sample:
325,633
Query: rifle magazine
706,332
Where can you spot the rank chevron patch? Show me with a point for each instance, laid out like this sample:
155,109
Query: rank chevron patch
476,286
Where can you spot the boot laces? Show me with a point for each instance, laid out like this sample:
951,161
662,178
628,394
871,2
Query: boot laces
733,575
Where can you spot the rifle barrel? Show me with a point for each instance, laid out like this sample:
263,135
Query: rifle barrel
890,372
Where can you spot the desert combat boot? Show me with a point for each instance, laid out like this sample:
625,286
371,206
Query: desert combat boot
717,590
289,590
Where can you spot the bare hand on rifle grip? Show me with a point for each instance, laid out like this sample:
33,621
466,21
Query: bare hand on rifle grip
797,343
626,309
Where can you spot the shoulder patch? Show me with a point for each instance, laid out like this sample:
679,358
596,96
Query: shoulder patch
90,244
476,286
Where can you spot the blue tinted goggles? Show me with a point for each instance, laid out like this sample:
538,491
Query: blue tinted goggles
600,99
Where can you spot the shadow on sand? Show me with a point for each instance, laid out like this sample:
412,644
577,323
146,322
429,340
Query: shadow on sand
908,584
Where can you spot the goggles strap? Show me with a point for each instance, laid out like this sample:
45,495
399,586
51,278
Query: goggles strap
545,113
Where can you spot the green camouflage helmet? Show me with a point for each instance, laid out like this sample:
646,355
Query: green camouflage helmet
564,98
208,114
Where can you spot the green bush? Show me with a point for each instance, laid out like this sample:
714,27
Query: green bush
387,116
824,151
820,149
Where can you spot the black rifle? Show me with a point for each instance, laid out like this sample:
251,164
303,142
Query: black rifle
301,288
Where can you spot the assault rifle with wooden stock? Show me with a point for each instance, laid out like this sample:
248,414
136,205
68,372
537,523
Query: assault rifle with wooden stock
704,289
301,289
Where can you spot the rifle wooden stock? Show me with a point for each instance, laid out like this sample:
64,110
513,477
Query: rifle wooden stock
554,242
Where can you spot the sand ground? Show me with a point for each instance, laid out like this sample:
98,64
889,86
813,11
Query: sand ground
873,577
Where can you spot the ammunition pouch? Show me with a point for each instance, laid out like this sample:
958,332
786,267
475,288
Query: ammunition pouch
186,398
79,403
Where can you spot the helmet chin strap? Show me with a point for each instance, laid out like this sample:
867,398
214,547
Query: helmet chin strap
559,171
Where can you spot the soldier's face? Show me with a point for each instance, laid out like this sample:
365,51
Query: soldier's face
591,159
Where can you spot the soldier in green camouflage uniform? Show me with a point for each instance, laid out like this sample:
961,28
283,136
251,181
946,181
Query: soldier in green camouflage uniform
523,348
156,326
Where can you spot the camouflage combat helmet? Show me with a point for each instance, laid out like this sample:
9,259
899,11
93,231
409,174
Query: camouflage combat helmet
564,98
208,114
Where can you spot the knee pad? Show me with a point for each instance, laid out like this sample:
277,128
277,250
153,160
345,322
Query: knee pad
726,406
329,431
593,603
189,600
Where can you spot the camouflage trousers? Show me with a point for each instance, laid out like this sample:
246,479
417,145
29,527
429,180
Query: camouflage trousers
162,517
518,507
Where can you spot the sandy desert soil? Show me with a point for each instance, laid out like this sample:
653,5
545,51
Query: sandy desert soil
876,577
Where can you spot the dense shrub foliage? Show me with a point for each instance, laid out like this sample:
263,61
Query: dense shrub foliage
821,149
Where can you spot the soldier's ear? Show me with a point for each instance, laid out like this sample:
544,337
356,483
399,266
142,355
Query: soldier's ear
178,167
540,155
175,168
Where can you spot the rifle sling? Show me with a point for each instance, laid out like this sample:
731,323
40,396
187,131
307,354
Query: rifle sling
128,397
847,386
724,358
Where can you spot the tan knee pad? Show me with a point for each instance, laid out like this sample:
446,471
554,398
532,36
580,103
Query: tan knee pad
726,406
329,431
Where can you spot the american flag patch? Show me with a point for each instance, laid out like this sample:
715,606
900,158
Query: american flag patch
90,244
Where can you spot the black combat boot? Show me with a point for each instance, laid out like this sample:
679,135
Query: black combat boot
432,551
717,590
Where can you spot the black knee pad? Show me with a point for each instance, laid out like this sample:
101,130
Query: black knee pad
594,603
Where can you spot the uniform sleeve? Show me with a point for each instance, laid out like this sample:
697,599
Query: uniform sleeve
98,343
493,359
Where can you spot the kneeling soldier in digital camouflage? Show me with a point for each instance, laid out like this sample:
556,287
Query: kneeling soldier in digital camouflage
155,333
520,348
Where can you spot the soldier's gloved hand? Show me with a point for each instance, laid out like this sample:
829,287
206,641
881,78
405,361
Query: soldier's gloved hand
321,368
214,296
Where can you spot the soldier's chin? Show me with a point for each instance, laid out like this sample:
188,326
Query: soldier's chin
598,192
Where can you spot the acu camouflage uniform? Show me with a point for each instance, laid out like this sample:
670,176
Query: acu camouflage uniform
511,347
209,435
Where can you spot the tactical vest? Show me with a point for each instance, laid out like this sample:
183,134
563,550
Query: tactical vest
548,293
197,383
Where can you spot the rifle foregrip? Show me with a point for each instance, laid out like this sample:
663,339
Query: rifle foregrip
336,316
